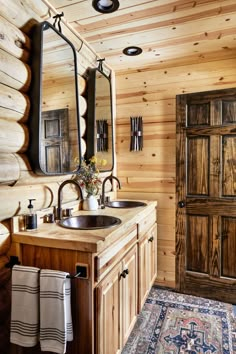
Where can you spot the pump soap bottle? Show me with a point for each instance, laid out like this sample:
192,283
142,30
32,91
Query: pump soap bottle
31,218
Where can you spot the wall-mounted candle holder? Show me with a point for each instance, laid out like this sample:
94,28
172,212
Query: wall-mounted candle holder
102,135
136,133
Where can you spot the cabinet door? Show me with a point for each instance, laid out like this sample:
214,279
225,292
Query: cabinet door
143,271
108,305
147,263
129,292
152,254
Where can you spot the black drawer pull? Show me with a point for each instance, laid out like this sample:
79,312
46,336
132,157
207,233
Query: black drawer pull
124,273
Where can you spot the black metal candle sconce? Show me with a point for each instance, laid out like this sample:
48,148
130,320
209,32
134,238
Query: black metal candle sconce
102,135
136,133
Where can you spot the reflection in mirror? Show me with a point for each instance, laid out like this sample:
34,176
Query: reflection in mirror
54,127
100,120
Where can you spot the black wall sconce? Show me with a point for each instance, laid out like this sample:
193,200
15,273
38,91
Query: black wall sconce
106,6
136,133
102,135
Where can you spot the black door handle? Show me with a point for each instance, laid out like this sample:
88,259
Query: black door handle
181,204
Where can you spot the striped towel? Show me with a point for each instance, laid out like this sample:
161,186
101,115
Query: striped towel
55,311
25,306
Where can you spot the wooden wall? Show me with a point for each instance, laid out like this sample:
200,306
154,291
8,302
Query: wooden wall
150,173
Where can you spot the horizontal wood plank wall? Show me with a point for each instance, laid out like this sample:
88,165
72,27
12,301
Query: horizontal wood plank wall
150,173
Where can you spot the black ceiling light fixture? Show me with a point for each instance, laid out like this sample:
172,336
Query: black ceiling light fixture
105,6
132,50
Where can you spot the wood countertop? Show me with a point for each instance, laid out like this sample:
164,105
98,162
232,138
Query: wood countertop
93,241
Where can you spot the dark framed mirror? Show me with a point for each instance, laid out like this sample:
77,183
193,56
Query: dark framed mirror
54,120
100,135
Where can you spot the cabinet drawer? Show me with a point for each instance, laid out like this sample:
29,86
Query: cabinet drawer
108,258
146,223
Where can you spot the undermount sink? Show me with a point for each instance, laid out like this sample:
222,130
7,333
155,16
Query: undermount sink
124,204
89,222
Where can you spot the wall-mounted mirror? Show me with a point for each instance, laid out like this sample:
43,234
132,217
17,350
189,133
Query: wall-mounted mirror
100,142
54,123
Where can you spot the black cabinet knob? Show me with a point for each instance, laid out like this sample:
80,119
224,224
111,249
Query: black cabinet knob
150,239
124,273
181,204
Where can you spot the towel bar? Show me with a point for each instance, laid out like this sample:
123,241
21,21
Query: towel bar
15,261
73,276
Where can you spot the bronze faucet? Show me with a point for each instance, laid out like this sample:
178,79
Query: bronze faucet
103,188
59,208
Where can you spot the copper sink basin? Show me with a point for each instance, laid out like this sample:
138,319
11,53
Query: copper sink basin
124,204
89,222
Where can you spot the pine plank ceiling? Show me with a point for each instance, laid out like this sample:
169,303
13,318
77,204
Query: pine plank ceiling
170,32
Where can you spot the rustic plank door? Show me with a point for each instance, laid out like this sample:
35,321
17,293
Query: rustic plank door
206,194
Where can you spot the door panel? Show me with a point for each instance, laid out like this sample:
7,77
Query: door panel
198,114
197,243
198,170
206,188
229,166
228,112
228,240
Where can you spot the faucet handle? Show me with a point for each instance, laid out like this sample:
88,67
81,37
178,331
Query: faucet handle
58,213
99,200
67,212
107,199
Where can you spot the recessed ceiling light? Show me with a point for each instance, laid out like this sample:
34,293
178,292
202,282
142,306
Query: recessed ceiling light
105,6
131,51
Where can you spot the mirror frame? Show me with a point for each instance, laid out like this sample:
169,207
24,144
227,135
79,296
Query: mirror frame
91,116
34,149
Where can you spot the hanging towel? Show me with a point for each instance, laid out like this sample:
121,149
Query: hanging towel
55,311
25,306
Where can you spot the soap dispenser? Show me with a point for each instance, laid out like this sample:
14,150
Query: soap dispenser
31,217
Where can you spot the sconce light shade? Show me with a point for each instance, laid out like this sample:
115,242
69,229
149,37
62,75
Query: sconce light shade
105,6
136,133
102,135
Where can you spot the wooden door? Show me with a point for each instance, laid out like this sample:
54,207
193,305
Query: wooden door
129,308
55,154
206,194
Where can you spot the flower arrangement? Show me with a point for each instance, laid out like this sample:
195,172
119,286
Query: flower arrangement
88,176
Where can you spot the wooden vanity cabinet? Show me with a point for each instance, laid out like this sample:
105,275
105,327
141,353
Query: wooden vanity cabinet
106,302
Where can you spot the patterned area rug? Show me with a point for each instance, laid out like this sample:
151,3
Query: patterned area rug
172,323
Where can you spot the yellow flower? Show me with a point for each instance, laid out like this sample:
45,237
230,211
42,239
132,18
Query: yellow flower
93,159
103,162
76,160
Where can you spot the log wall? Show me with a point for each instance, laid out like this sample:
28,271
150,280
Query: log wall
17,180
150,173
